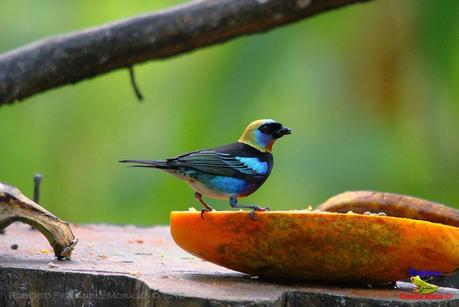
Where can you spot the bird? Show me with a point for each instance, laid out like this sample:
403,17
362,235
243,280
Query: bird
228,172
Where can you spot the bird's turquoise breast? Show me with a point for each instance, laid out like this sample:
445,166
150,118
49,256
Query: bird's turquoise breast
226,185
221,186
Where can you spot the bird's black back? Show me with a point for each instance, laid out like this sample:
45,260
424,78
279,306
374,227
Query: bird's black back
211,160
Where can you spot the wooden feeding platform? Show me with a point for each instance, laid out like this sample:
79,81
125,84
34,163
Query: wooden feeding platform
134,266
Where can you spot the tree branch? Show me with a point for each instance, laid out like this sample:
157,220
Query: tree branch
73,57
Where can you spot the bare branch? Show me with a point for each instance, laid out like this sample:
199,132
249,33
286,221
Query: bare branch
14,206
73,57
134,84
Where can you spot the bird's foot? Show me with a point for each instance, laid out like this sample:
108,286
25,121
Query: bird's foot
206,208
255,209
203,210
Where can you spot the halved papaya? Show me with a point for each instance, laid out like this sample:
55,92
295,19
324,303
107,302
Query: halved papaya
318,246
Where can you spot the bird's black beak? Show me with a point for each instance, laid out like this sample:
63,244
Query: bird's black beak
283,131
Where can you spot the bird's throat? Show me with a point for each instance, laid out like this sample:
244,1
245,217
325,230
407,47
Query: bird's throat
257,146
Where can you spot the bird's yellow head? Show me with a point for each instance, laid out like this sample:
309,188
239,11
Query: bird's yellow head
262,134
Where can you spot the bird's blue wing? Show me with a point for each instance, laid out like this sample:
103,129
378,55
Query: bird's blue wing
223,164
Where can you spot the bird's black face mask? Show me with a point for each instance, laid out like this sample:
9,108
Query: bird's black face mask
276,130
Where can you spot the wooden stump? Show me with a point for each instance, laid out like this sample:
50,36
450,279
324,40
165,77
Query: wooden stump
133,266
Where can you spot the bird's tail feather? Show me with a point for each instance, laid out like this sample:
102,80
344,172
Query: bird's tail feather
148,163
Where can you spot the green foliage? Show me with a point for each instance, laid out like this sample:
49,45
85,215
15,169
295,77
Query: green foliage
370,91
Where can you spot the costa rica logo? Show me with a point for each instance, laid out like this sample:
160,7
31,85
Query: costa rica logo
423,287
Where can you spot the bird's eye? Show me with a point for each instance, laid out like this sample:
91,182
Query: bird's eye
264,128
269,128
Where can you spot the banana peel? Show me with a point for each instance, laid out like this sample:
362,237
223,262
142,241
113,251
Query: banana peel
392,205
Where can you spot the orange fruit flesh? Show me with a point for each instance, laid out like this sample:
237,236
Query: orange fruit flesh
318,246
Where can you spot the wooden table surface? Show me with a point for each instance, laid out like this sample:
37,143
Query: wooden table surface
134,266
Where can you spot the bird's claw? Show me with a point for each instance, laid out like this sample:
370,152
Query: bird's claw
203,210
255,209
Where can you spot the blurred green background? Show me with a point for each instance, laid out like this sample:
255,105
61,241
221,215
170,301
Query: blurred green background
371,92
